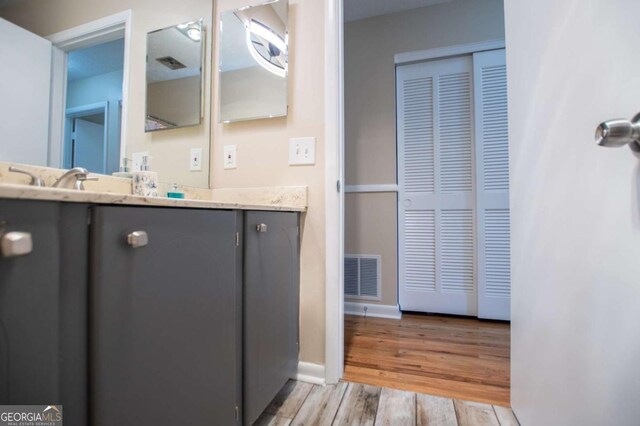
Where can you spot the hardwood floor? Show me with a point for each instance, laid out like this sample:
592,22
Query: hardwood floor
300,403
453,357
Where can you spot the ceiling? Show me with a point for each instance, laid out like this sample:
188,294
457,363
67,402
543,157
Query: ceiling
360,9
172,42
95,60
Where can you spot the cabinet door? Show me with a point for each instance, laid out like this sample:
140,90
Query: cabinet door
165,317
43,305
271,305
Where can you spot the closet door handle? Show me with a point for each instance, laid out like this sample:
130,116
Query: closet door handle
138,239
14,244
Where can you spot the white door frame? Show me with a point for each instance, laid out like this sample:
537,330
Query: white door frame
334,191
100,31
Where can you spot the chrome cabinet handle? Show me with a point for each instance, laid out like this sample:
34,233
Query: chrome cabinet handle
14,244
138,239
619,132
261,227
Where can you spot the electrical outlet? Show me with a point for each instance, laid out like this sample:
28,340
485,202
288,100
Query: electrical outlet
230,157
195,160
302,151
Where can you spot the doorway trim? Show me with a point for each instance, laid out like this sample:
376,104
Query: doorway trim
334,190
100,31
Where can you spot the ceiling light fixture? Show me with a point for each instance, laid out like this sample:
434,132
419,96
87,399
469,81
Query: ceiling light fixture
191,29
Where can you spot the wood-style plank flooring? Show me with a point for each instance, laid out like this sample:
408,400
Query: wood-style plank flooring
454,357
300,403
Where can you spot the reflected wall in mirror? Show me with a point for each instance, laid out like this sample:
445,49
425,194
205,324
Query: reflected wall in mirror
253,62
174,76
83,66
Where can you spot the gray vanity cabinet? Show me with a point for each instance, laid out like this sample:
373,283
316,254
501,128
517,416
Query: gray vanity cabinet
271,304
165,343
43,307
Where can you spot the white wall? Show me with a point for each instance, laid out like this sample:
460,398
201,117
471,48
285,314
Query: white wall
575,212
24,95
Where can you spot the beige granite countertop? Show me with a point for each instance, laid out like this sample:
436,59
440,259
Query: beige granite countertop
295,200
114,190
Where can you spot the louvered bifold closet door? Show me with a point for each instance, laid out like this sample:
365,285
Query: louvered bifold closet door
492,175
436,202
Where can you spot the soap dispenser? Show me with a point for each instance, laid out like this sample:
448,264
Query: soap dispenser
145,182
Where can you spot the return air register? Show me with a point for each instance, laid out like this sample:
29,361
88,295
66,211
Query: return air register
362,276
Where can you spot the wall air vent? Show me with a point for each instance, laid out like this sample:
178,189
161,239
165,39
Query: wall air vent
171,62
362,276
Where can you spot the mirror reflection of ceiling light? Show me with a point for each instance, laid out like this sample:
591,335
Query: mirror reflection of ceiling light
191,30
193,34
274,46
266,33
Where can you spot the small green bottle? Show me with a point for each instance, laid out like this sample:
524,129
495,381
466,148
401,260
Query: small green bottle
175,192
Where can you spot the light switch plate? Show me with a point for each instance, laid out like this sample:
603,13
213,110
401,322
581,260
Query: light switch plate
230,157
136,160
195,160
302,151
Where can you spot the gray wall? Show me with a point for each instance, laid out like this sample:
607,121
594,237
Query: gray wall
370,112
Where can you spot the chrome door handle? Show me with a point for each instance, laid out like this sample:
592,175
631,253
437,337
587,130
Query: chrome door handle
261,227
138,239
619,132
14,244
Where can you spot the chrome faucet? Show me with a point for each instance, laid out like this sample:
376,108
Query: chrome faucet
35,180
73,179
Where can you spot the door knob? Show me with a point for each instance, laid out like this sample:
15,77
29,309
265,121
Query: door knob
619,132
138,239
261,227
14,244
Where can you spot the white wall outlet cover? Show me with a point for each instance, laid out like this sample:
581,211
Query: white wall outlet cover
230,157
302,151
195,159
136,160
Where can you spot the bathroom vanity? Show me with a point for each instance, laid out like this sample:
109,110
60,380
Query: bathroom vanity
146,315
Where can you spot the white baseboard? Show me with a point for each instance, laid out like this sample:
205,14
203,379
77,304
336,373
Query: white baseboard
310,373
373,310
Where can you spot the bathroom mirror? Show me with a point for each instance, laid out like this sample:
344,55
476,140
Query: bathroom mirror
253,62
174,76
